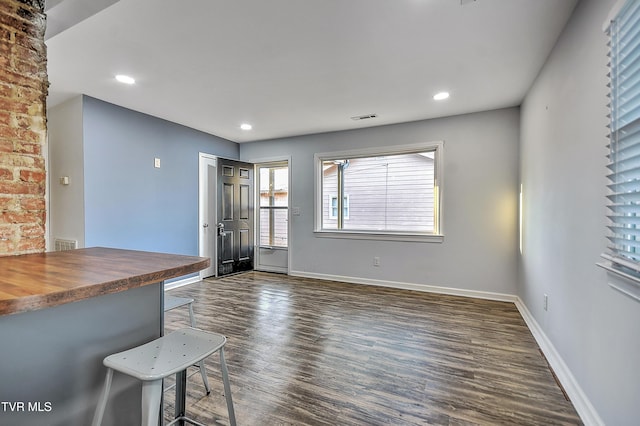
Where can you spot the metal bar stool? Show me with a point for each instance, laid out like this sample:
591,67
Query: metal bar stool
172,302
153,361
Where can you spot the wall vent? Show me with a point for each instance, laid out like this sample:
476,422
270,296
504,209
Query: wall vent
61,245
364,117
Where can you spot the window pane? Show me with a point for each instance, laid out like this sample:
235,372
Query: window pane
345,207
274,198
273,227
281,186
385,193
264,184
274,186
329,197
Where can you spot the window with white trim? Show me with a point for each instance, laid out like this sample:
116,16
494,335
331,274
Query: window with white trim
623,251
379,192
333,212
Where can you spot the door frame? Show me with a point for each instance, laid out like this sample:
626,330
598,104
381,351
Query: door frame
256,164
204,194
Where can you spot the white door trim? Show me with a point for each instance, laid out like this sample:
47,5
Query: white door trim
205,248
259,162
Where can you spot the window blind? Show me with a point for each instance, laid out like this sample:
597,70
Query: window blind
624,141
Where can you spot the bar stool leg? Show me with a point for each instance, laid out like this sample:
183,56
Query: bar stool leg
203,372
180,405
227,389
192,317
104,397
151,397
205,380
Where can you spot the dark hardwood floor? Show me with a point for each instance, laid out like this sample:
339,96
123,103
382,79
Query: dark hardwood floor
310,352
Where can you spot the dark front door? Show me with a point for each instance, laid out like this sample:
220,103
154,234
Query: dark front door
235,216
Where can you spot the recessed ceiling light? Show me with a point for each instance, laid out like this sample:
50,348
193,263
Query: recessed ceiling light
125,79
441,96
246,126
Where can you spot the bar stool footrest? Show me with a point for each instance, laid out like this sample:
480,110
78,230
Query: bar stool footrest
192,373
184,419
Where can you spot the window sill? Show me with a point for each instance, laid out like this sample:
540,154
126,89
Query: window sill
381,236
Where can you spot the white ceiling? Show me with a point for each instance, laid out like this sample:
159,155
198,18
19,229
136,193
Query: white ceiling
292,67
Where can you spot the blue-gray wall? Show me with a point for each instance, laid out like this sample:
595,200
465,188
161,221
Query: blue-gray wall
479,207
130,204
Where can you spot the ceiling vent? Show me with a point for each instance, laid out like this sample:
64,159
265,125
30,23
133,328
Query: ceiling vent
364,117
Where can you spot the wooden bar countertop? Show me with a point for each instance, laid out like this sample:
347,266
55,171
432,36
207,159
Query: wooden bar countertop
35,281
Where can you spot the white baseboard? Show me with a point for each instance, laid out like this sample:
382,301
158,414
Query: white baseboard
409,286
180,283
579,399
583,406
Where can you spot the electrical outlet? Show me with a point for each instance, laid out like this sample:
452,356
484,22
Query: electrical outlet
156,163
545,304
376,261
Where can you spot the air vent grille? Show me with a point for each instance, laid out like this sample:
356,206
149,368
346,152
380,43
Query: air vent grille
364,117
61,245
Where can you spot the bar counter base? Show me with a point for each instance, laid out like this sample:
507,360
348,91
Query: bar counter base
51,359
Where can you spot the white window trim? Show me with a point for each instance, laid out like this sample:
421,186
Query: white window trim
623,274
381,236
612,14
428,237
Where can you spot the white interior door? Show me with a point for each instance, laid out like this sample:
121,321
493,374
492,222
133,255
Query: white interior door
207,240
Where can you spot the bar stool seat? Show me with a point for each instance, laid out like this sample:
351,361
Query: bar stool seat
160,358
173,302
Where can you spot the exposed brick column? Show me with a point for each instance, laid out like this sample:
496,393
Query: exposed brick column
23,93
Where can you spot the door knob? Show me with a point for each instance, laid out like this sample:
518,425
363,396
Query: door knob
206,225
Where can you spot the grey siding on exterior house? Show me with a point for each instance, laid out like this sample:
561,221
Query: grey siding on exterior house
386,193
